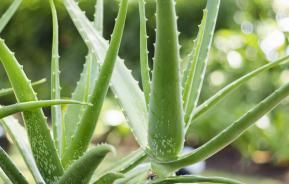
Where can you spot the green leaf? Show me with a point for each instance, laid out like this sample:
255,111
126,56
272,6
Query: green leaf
125,164
145,76
194,62
195,179
42,145
10,169
166,123
82,169
4,178
220,95
84,131
86,83
5,18
136,176
109,178
122,83
232,132
26,106
19,137
56,114
9,91
98,16
201,59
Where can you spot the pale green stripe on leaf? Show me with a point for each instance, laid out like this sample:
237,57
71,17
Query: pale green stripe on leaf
10,169
145,75
56,114
26,106
123,84
195,179
9,91
42,144
82,169
19,137
98,16
5,18
166,122
220,95
232,132
84,131
202,60
194,61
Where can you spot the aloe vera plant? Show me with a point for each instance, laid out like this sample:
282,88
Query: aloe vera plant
159,115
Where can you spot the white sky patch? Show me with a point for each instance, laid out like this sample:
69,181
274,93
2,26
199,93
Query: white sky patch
113,117
217,78
264,122
234,59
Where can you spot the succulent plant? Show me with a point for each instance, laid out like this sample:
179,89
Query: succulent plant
159,115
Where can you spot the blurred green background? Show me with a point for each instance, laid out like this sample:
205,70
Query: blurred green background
249,34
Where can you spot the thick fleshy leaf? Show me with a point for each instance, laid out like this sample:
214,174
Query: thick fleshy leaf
196,179
86,83
56,114
231,133
41,142
10,169
200,59
137,175
19,137
26,106
122,83
125,164
9,91
220,95
85,129
166,122
194,59
145,75
5,18
82,169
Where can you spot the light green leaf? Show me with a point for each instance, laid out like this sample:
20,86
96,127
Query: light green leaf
9,91
56,114
195,179
4,178
41,142
201,59
145,75
84,131
166,122
82,169
194,61
5,18
26,106
19,137
122,83
136,176
109,178
10,169
86,83
220,95
231,133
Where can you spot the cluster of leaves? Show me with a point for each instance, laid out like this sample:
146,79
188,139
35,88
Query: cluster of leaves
159,116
